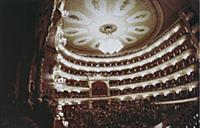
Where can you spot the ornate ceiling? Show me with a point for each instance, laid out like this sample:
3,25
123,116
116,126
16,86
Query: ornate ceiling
96,27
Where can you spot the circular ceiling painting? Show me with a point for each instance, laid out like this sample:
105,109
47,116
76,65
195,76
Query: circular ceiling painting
110,26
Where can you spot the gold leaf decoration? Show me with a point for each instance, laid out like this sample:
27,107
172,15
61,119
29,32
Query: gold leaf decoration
74,17
96,5
72,32
140,16
129,39
139,29
97,45
81,41
125,4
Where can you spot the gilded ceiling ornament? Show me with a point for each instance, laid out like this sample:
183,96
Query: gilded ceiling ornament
97,45
108,28
74,17
72,32
96,5
139,29
141,16
125,4
129,39
81,41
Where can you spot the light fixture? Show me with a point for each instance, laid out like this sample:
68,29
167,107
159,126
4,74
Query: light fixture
121,88
177,91
61,114
166,93
64,13
121,98
59,57
69,91
65,123
155,94
145,95
63,41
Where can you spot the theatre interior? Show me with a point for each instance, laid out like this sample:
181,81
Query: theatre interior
99,63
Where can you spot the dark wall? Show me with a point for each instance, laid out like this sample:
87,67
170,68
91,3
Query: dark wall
18,20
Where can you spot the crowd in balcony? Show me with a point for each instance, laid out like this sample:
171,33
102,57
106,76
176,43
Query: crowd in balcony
68,94
181,65
183,80
71,82
186,94
175,81
161,73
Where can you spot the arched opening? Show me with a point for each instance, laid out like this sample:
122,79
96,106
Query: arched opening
99,88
